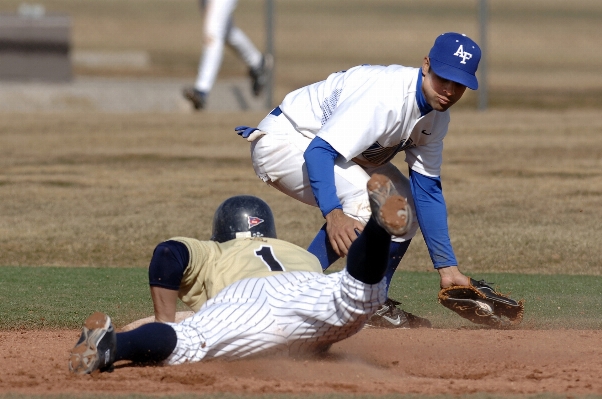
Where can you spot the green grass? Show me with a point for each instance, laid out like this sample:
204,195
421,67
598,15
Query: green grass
551,301
57,297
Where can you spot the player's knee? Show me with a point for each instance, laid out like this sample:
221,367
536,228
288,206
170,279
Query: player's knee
358,210
214,37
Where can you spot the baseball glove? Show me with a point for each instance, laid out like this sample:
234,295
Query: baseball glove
481,304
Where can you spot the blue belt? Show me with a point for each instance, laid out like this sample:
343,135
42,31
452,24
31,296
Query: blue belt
276,111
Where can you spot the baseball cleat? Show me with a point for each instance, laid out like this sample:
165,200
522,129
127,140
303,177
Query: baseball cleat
197,98
391,210
259,76
95,349
390,316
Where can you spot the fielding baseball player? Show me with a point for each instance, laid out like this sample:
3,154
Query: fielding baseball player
219,28
283,311
325,140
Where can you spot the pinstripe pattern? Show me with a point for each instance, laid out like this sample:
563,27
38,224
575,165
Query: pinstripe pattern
290,313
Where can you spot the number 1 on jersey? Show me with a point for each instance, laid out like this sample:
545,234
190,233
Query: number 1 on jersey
267,256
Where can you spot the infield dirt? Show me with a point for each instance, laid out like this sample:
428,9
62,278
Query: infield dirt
425,361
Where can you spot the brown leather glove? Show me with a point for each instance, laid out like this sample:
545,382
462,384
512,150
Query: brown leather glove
481,304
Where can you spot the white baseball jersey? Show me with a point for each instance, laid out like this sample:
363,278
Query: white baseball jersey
368,114
292,313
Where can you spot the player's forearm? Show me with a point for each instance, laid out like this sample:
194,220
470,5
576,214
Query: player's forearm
319,160
164,303
431,213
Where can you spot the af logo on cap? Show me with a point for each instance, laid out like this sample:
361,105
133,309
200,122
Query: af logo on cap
254,221
462,54
444,60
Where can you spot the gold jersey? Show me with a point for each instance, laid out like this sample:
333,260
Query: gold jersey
214,266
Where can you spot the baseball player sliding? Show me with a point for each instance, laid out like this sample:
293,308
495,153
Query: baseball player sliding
219,28
325,141
281,311
196,271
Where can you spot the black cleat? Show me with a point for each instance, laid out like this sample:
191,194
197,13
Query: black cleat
95,349
259,76
391,210
390,316
197,98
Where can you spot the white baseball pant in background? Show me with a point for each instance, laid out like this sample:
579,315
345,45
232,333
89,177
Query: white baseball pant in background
219,28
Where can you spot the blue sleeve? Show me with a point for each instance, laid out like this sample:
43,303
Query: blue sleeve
432,218
319,161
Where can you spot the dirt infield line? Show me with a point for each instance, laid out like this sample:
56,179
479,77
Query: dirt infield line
425,361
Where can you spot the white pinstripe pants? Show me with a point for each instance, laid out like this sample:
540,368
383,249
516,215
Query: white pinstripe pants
291,313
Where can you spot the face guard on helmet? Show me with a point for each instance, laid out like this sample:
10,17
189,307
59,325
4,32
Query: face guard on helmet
243,216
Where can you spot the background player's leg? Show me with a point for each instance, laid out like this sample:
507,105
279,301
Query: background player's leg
243,46
217,20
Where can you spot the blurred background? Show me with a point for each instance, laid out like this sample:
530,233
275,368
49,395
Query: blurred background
541,53
101,157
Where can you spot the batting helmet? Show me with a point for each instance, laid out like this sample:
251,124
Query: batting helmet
243,216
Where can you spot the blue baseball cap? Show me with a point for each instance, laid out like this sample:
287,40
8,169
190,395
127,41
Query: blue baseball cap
456,57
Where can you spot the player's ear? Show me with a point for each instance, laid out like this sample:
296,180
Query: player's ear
426,66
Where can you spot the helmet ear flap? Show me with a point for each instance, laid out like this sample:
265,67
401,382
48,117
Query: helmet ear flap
243,216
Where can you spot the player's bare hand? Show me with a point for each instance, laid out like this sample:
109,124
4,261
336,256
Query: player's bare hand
450,276
342,231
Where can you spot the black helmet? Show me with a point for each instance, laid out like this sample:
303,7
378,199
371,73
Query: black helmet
243,216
